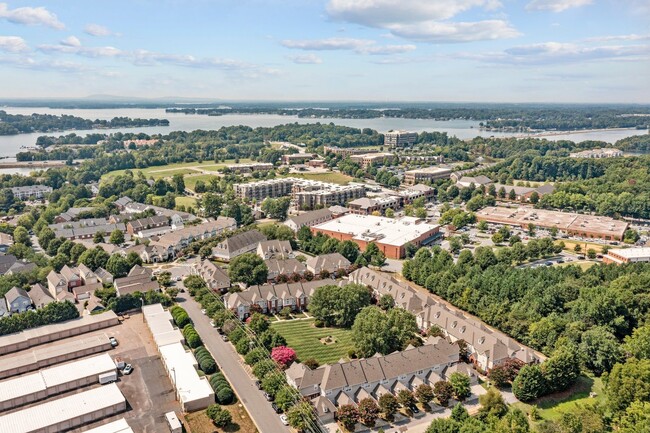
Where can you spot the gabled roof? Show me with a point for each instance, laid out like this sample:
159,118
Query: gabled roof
15,293
6,262
310,217
330,262
40,295
240,241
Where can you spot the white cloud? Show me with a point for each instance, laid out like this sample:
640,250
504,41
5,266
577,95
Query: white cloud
30,16
306,59
549,53
556,5
379,13
48,65
13,44
97,30
632,37
424,20
450,32
71,41
359,46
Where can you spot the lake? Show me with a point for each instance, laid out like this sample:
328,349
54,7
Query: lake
463,129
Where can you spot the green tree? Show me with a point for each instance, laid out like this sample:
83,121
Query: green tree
301,416
219,416
562,369
117,237
211,205
591,253
530,383
443,392
349,250
98,238
21,236
178,183
285,398
258,323
424,393
638,344
492,404
388,405
600,350
461,386
636,418
348,416
118,266
459,413
59,261
390,213
339,306
368,411
249,269
628,382
406,398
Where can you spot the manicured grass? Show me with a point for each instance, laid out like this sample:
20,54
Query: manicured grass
305,339
552,407
190,181
178,168
584,264
333,177
570,245
186,201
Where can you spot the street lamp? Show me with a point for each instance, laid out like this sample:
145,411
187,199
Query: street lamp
175,385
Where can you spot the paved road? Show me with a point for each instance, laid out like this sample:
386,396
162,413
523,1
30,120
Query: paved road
258,408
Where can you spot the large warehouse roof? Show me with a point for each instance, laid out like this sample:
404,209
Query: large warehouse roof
53,412
44,334
32,383
119,426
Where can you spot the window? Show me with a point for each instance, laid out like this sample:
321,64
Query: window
454,324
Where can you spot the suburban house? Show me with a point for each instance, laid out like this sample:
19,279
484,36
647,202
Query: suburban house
85,229
271,298
286,267
40,295
237,245
6,241
18,301
74,284
103,276
138,280
10,265
215,277
487,347
352,381
275,249
72,214
308,219
152,253
4,312
327,262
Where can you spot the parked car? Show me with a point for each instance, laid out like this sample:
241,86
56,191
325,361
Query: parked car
225,338
258,384
178,278
581,257
284,419
113,341
267,396
128,369
203,311
414,409
214,325
276,408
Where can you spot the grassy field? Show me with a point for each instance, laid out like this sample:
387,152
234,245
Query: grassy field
584,264
186,201
552,407
198,422
178,168
190,181
305,339
333,177
570,245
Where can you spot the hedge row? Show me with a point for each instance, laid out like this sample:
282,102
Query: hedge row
222,390
205,360
180,316
192,337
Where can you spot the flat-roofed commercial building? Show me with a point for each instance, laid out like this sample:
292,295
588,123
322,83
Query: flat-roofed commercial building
53,353
193,392
368,159
367,205
67,413
390,235
411,177
603,152
621,256
50,381
586,226
400,138
346,151
56,331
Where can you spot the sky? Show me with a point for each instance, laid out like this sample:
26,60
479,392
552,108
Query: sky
576,51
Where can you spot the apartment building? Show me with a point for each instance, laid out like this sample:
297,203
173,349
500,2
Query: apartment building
368,206
297,158
346,152
368,159
411,177
215,277
598,153
309,219
250,168
237,245
258,191
30,191
400,138
136,226
176,241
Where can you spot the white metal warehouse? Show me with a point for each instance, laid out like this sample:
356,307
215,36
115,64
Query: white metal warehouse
66,413
53,353
56,331
194,392
119,426
53,380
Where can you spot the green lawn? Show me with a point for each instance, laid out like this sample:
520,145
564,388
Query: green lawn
178,168
333,177
553,406
584,264
186,201
190,181
305,339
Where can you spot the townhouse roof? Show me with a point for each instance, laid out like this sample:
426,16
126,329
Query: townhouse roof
6,262
145,223
103,274
240,241
310,217
69,273
285,267
6,239
219,225
330,262
123,201
21,266
268,292
476,180
275,246
15,293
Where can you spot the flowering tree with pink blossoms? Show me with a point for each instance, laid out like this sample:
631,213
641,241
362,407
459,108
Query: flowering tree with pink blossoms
283,355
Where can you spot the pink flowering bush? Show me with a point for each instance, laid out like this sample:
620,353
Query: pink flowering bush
283,355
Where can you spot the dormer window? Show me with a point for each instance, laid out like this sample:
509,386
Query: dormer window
462,329
437,315
481,340
454,324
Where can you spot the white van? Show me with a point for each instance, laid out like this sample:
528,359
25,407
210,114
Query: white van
174,424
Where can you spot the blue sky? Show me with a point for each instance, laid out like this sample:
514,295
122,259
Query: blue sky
376,50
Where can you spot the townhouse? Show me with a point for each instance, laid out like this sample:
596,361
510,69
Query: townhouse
215,277
73,283
72,214
274,249
30,191
330,263
86,228
171,243
271,298
287,267
139,279
352,381
309,219
156,221
487,347
237,245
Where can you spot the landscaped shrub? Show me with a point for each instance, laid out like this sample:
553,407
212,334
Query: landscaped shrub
205,360
255,356
191,336
236,335
222,390
243,346
264,367
180,316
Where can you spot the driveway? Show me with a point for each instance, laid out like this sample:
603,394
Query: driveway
232,367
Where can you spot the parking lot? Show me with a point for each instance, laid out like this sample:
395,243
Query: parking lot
148,390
